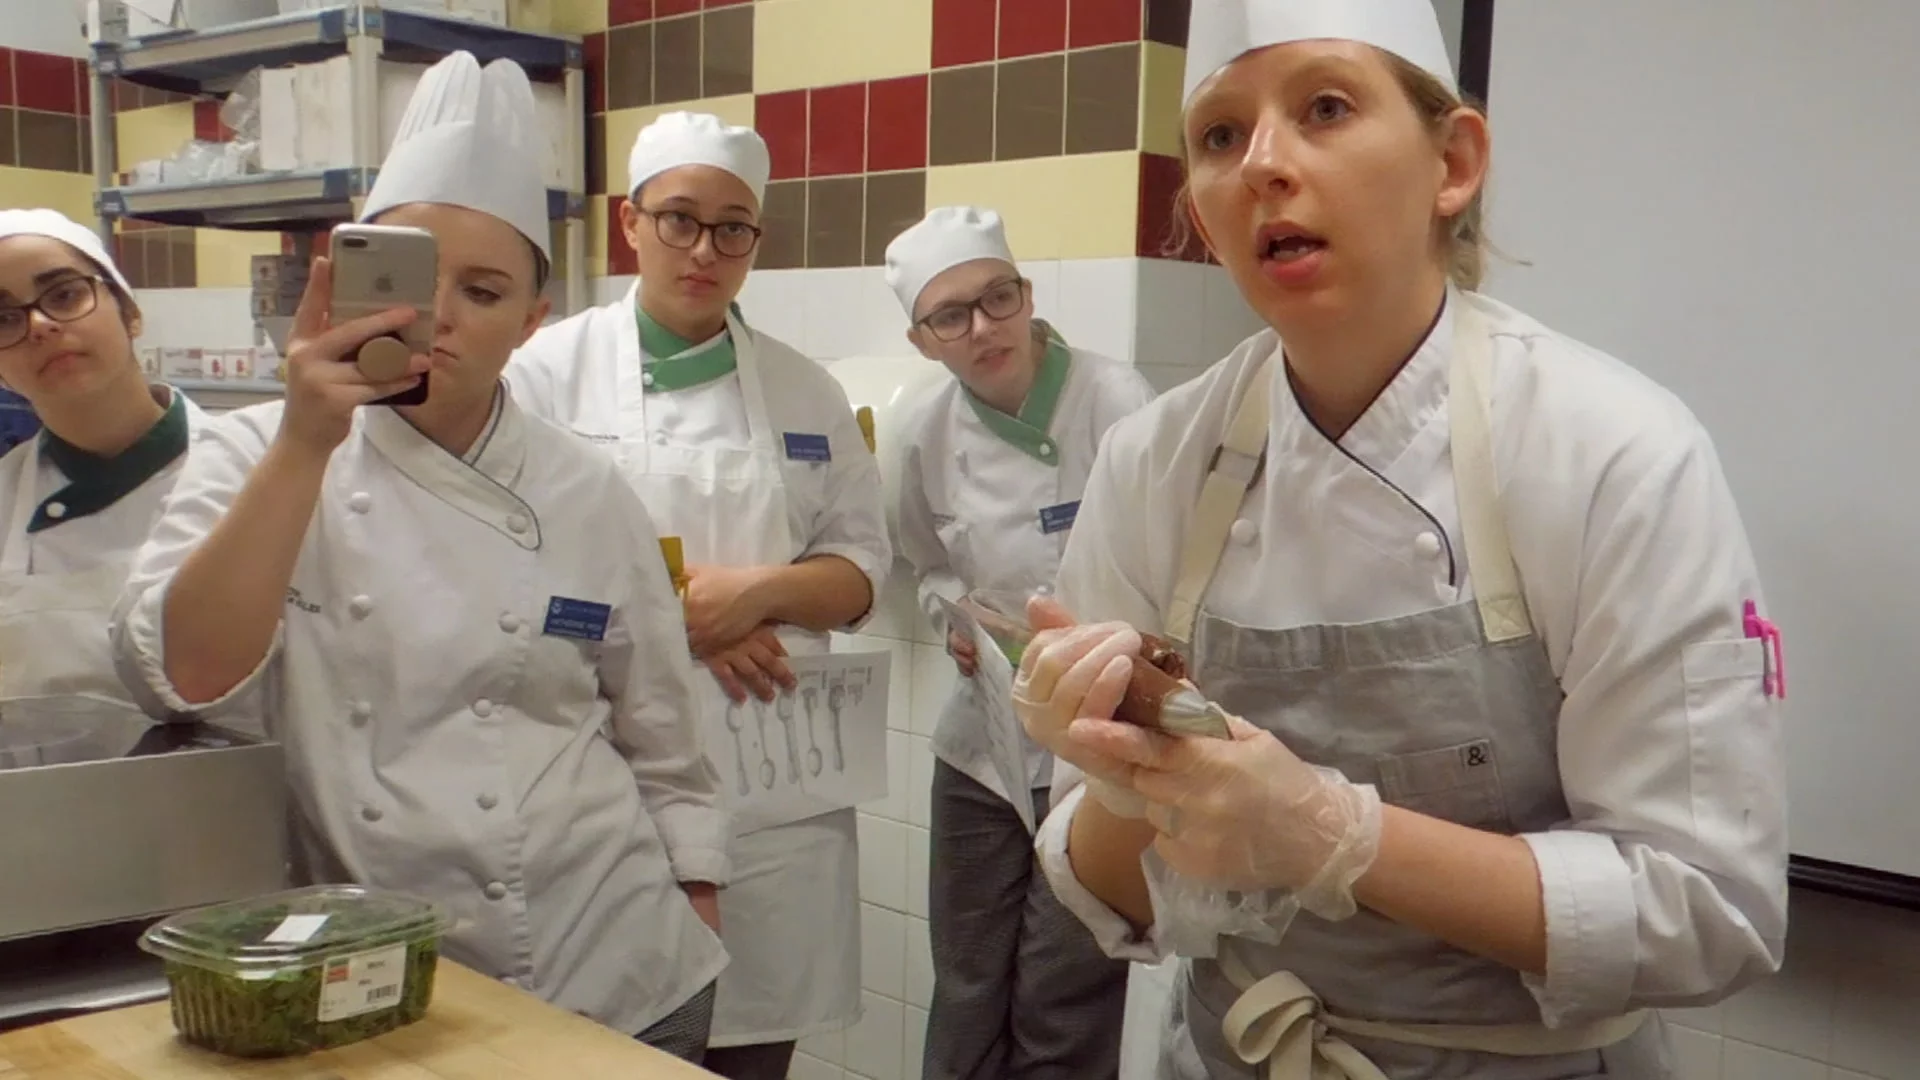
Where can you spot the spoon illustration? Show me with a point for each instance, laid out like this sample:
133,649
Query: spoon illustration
785,706
766,759
836,696
812,696
738,726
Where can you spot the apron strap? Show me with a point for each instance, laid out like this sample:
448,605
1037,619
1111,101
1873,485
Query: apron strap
1496,580
1279,1021
1236,465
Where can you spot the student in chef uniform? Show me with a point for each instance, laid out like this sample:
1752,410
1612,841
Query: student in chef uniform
1475,589
749,452
455,615
80,497
995,460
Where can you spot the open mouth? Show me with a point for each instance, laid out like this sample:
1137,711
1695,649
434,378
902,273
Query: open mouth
1287,244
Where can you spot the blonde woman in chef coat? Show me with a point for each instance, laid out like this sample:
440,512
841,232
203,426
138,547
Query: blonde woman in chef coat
994,464
81,496
1502,735
454,615
749,453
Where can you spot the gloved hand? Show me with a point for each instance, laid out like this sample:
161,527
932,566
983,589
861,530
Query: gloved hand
1246,814
1070,671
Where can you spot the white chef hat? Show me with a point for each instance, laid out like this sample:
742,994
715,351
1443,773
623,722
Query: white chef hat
58,226
945,238
469,138
1220,31
690,138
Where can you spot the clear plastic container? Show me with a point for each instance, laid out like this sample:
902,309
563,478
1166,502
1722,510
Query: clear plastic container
299,971
64,731
1002,613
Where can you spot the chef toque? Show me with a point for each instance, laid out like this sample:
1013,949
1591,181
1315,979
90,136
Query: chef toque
690,138
1220,31
945,238
58,226
469,139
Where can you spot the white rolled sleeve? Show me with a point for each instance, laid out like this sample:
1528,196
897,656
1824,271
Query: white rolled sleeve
1111,931
852,523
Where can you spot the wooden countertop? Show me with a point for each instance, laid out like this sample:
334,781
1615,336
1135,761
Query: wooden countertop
476,1029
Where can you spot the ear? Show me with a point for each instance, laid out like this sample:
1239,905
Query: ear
630,221
913,336
535,317
1465,149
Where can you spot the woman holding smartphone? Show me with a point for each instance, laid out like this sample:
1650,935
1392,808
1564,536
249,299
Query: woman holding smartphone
454,615
81,496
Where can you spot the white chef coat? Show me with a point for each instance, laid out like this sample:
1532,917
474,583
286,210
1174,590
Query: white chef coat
452,728
1667,886
791,917
989,505
58,584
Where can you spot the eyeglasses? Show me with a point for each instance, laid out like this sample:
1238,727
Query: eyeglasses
678,229
1000,302
64,301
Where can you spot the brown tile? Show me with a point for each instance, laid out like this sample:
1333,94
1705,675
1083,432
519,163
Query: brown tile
1103,99
834,221
629,66
597,154
183,274
1167,21
960,128
49,141
86,147
6,137
676,60
726,51
131,256
1030,108
783,221
894,202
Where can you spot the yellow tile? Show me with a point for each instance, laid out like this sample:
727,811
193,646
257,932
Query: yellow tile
69,193
577,16
1098,205
623,126
1161,71
805,43
597,235
1023,193
223,258
153,134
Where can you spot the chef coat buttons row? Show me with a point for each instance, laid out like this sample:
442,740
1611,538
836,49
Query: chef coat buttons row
483,708
1427,544
1243,531
509,622
517,522
371,813
360,606
362,712
359,502
646,378
496,891
488,801
56,510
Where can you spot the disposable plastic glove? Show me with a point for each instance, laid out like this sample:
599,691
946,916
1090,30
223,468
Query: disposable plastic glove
1070,671
1247,814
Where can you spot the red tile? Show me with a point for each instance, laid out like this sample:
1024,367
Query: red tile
1102,22
897,124
206,122
664,8
1029,27
781,119
837,130
621,258
1160,180
6,76
44,81
622,12
594,47
726,3
83,88
963,31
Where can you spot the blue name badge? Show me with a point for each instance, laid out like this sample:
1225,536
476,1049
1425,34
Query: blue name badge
807,447
1059,518
581,619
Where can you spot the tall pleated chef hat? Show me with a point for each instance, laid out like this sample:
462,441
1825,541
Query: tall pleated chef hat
1221,31
58,226
690,138
469,138
945,238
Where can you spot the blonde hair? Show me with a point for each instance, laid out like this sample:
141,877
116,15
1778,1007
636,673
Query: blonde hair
1465,236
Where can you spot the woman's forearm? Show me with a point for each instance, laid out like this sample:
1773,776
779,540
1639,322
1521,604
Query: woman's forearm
1475,890
1104,850
226,599
819,594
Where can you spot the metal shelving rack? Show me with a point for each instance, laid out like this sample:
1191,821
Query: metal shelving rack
212,61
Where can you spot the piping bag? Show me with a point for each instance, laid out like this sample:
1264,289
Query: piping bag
1159,696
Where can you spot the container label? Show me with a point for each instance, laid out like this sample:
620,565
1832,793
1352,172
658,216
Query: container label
362,983
295,929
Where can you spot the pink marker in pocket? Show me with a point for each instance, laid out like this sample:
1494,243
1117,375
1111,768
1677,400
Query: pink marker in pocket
1773,681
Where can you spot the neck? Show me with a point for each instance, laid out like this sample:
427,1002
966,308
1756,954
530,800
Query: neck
1009,397
454,425
1338,369
692,328
107,421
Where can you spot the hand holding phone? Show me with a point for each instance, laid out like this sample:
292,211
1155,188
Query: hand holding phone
323,386
377,268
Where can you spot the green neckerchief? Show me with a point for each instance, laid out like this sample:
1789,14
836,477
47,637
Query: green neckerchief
674,363
1028,431
94,482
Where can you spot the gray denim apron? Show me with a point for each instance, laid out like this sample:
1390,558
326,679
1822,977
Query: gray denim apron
1452,713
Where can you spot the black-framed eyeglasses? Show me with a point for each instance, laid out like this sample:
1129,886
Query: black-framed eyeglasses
679,229
64,301
1002,301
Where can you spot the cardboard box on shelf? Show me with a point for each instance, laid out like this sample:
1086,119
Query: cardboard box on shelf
181,363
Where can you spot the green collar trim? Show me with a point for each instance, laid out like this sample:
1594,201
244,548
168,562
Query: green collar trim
671,362
94,482
1028,431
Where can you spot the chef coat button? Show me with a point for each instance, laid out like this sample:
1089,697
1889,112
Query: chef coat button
660,439
359,502
483,707
362,712
1242,532
510,622
56,510
488,801
371,813
1046,449
360,606
517,522
646,378
496,891
1427,544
